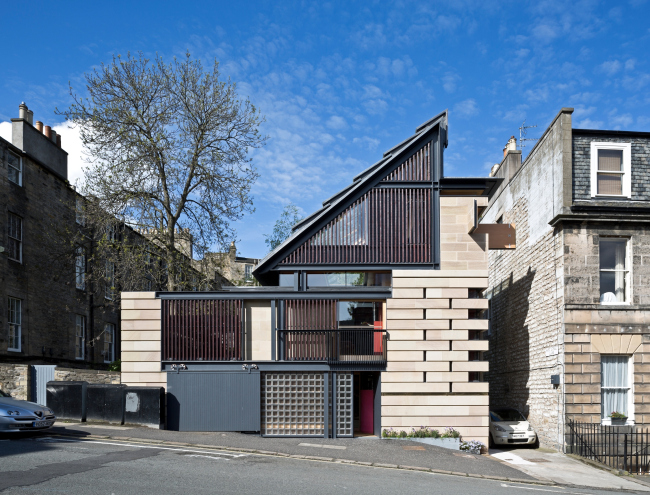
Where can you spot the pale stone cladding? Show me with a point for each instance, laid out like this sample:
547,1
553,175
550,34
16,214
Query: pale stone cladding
141,340
427,378
526,285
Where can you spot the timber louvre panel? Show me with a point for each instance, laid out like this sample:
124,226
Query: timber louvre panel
202,329
383,226
293,404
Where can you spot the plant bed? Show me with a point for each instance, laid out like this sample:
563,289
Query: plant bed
449,439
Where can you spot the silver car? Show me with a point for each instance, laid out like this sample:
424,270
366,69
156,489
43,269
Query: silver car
21,415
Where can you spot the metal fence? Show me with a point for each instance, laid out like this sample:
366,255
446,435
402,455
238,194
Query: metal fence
619,447
357,346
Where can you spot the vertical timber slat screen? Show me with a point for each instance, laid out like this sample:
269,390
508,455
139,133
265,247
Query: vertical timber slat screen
304,314
416,168
383,226
201,330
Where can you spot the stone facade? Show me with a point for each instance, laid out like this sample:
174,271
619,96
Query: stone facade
42,280
90,376
545,310
14,380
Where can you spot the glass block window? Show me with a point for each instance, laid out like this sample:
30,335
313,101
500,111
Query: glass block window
344,405
15,318
293,404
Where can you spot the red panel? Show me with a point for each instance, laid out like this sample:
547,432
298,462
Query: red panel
366,410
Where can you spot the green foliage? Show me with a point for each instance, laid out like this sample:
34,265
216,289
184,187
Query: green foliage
115,365
282,228
422,432
618,415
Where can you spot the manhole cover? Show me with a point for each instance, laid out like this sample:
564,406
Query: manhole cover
413,448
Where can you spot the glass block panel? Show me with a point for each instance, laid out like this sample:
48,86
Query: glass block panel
344,405
293,404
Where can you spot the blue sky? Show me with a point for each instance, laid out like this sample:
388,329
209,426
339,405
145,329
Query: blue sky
340,82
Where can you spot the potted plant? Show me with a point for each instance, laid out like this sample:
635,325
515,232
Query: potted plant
618,418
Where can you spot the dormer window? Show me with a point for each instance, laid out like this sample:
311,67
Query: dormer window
611,169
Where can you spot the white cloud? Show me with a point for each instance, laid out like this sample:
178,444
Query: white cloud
71,143
5,131
449,81
337,123
610,67
466,108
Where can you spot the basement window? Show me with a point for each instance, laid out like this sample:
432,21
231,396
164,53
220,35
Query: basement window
611,174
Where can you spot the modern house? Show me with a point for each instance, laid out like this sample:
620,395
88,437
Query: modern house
370,315
570,306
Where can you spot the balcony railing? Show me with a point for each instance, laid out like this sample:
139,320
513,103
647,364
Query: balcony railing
357,346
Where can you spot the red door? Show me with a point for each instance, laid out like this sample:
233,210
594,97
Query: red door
366,411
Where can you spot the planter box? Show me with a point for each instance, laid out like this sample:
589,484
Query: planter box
619,421
445,443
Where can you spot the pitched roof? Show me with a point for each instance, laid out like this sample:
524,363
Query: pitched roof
341,197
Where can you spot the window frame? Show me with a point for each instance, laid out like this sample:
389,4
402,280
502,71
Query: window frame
19,169
109,281
626,183
80,268
627,270
80,338
16,324
109,329
18,240
607,420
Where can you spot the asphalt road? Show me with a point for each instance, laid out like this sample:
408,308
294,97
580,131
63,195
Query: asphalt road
44,465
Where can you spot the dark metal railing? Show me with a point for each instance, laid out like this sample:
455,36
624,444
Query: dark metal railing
356,346
619,447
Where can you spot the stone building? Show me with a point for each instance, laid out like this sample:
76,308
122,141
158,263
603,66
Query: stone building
229,269
569,307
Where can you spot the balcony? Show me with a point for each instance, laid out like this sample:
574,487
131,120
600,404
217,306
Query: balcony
357,346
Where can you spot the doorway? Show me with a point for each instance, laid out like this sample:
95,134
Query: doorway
366,403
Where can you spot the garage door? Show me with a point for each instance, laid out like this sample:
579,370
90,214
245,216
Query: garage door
213,401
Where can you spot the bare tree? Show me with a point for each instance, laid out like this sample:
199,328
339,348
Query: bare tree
167,147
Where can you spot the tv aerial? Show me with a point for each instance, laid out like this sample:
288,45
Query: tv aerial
523,130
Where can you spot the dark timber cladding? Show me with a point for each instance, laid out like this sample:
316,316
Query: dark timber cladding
415,168
202,330
383,226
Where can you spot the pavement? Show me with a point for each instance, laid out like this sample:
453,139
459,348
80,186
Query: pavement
547,465
536,466
76,465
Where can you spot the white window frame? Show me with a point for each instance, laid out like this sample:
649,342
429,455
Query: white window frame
628,270
19,169
607,421
15,323
109,354
80,268
80,337
248,272
18,239
626,186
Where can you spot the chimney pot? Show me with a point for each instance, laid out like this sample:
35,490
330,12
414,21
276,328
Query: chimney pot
30,117
47,130
22,111
53,136
58,140
39,126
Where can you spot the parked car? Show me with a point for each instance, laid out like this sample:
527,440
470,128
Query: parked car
21,415
508,427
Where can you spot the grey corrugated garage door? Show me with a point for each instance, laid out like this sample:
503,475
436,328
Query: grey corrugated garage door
213,401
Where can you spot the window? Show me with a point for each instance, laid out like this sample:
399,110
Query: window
80,268
80,337
80,216
361,314
248,272
616,393
349,279
109,339
15,247
614,273
15,318
109,288
15,171
111,232
611,169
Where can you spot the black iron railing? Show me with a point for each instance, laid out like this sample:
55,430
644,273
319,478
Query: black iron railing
619,447
356,346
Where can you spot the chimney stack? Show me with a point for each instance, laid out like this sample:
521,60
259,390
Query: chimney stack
511,146
30,117
53,136
58,140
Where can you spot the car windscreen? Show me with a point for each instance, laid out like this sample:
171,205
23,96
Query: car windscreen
3,394
507,415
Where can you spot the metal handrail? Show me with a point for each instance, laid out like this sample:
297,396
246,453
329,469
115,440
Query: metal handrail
334,346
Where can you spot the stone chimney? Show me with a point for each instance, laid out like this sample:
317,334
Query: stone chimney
510,146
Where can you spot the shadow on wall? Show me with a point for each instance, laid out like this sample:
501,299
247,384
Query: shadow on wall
509,353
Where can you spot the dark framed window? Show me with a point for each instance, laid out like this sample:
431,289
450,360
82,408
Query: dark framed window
15,241
15,168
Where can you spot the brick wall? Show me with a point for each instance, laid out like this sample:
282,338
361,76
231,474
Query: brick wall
582,164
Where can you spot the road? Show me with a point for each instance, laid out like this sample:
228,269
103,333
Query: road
44,465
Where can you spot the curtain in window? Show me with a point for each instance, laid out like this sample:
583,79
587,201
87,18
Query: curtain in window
619,256
614,384
610,161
